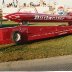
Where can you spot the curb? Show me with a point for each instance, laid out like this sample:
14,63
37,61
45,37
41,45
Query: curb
34,64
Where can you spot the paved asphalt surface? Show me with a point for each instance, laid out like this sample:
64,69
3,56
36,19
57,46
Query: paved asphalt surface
62,63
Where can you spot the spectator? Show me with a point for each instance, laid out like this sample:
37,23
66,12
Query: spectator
0,13
44,4
24,5
31,4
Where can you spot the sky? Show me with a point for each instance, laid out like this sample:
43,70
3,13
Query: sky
60,2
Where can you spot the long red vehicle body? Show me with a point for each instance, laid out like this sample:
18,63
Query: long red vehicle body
33,17
29,33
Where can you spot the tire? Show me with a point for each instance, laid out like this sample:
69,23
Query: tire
17,37
25,22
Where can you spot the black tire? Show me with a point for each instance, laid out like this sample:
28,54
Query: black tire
17,37
25,22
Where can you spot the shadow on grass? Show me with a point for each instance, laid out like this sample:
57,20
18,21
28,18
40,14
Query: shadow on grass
17,47
11,47
45,39
7,25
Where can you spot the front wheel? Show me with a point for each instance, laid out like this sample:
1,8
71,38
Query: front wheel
17,37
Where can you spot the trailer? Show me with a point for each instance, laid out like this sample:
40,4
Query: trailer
23,32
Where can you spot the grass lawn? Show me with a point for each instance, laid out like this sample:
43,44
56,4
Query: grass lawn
57,46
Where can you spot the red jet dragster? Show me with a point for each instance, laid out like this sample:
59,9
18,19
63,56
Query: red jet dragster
24,33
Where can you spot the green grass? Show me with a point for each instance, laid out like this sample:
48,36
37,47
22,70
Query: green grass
36,50
9,22
48,24
57,46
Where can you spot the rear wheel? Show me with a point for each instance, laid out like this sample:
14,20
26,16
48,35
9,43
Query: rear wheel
17,37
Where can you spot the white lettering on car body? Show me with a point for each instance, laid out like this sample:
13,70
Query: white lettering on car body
42,17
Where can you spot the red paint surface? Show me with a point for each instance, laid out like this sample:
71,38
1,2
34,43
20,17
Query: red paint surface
33,32
32,17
